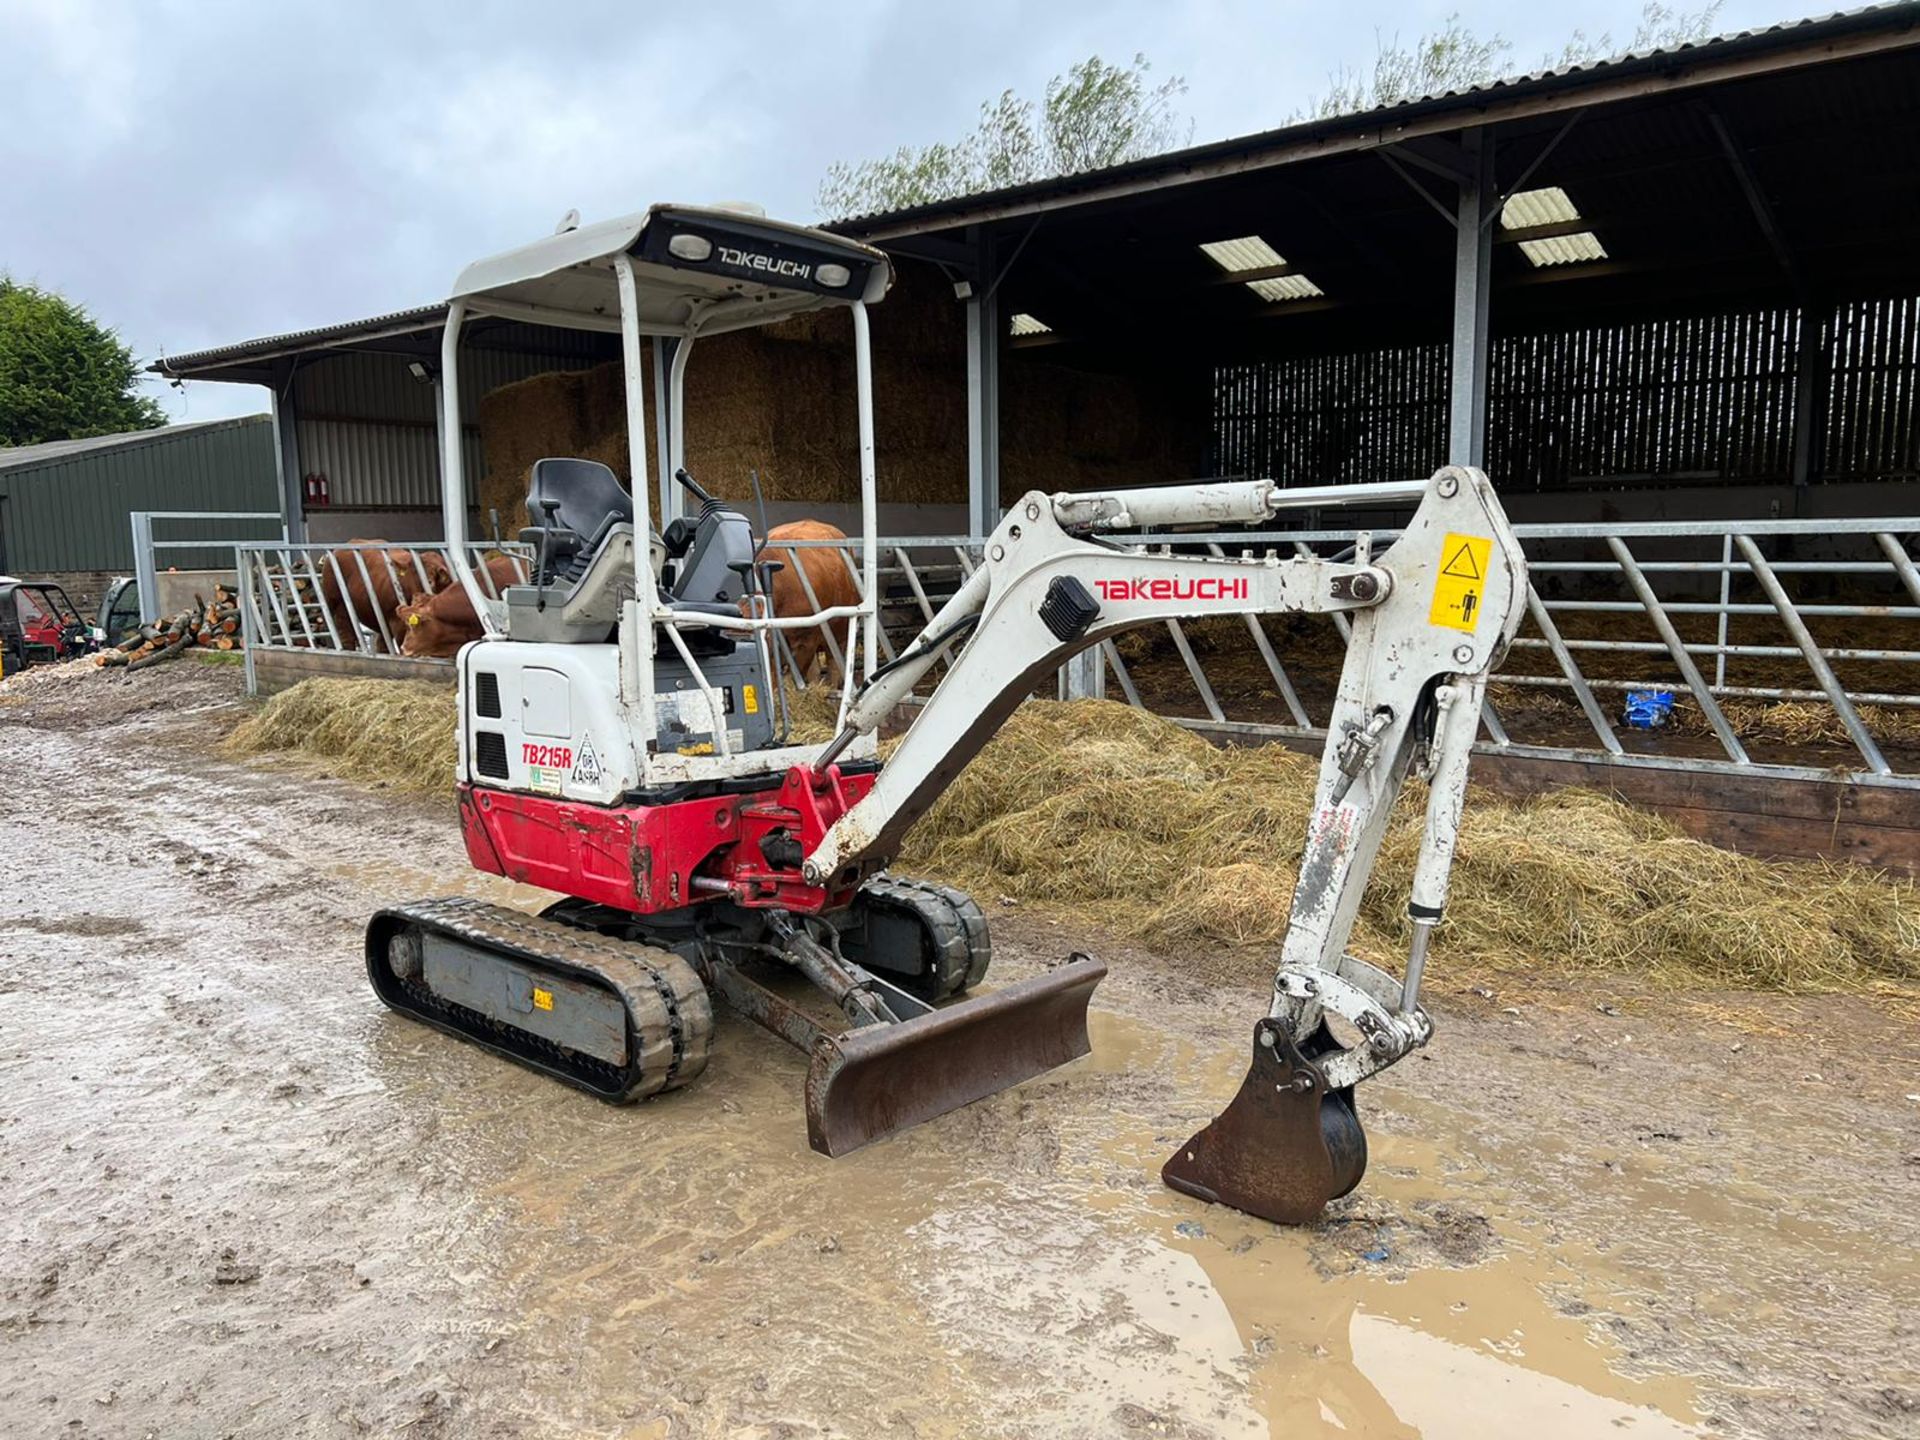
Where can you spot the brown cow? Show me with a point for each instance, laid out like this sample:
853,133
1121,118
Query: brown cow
828,574
438,625
396,580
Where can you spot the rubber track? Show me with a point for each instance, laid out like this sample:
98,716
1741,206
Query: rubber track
953,919
669,1017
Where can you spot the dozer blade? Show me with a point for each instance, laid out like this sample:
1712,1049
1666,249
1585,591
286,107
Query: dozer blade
1284,1146
866,1084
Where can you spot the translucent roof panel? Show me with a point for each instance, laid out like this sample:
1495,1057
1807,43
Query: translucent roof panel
1572,249
1024,324
1285,287
1249,252
1549,206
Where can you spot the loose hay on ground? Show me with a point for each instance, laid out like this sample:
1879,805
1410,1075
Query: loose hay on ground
1104,812
397,731
1134,821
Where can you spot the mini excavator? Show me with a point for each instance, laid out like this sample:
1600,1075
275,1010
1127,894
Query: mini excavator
622,742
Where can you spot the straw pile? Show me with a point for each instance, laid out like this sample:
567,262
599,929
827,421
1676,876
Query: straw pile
1129,822
394,732
1133,822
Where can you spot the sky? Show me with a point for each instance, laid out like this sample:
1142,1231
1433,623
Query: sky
202,173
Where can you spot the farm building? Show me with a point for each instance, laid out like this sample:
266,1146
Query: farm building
65,504
1672,284
1666,301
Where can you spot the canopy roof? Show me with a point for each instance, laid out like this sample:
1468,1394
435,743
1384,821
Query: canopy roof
695,269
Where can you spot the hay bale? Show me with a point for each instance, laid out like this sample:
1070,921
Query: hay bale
396,732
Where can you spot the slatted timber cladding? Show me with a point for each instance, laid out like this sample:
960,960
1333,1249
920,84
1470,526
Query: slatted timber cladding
1873,374
1698,399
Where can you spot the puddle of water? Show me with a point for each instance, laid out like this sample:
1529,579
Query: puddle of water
1422,1379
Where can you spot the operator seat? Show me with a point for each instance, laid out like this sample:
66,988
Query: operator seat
584,560
575,504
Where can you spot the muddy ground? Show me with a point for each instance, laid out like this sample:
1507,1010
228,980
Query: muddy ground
239,1198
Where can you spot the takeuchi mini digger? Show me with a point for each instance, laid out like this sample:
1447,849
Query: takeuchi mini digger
619,743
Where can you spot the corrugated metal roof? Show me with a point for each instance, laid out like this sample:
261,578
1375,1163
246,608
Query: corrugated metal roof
1568,77
421,317
24,457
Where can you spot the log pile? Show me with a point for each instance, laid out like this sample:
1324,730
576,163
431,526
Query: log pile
211,625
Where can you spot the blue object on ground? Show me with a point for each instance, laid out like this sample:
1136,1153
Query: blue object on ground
1376,1254
1649,709
1190,1230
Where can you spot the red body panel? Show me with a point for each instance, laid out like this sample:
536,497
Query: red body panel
643,858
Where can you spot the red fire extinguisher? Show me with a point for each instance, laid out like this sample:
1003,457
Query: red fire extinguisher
317,492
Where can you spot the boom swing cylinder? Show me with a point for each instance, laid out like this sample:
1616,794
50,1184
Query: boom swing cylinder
618,746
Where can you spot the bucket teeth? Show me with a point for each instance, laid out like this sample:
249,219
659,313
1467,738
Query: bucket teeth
866,1084
1284,1146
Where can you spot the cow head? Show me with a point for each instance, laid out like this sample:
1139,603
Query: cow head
424,634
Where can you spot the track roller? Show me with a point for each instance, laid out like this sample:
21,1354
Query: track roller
620,1020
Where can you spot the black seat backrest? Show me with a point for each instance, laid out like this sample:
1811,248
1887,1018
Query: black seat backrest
591,497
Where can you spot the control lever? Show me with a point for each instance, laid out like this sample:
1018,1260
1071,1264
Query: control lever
552,507
699,491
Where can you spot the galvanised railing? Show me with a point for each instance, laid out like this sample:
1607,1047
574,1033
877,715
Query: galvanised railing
1611,609
1634,589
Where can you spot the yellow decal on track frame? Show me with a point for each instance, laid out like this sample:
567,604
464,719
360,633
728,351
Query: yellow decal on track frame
542,999
1462,581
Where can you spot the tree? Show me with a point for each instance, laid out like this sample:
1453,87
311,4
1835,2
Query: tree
1454,58
1094,115
63,375
1099,114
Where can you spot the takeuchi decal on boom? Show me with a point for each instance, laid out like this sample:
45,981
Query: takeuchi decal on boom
1206,587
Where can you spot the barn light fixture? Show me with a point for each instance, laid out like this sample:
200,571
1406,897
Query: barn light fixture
421,371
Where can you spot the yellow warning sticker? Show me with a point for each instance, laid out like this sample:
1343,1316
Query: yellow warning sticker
1462,580
750,698
542,999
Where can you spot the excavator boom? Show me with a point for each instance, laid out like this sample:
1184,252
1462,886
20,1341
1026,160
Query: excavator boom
1428,618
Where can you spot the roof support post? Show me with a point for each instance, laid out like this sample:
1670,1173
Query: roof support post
1809,392
1472,296
983,388
286,455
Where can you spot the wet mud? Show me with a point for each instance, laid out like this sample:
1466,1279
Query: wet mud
239,1198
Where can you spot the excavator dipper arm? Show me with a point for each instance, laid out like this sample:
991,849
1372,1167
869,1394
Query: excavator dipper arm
1429,618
